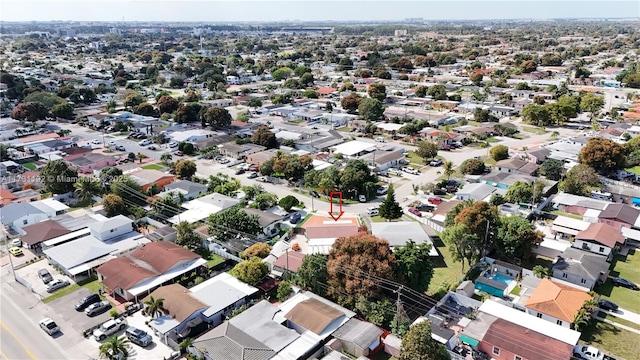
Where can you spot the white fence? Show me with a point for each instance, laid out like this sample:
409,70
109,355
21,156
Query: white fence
225,254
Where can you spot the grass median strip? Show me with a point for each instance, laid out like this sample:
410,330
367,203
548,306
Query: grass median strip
91,283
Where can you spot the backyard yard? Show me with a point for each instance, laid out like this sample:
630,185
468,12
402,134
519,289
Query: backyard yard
625,267
446,270
153,167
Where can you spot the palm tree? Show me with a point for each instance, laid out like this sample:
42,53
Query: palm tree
447,169
166,158
540,271
154,306
85,188
183,229
115,347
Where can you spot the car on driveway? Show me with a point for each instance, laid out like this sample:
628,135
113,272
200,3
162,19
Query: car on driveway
607,305
57,285
425,207
49,326
435,162
111,143
435,200
252,175
362,198
16,251
109,328
16,242
97,308
96,142
624,283
373,211
45,276
394,171
152,147
138,337
295,218
145,142
382,190
86,301
121,148
239,171
178,153
411,171
173,144
414,211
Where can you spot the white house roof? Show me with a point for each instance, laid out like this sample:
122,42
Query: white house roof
221,291
288,135
389,126
186,134
50,205
530,322
398,233
569,223
110,223
575,200
630,233
200,208
477,191
352,148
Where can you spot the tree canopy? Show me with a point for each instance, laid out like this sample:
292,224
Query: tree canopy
58,177
602,154
250,271
499,152
263,136
370,109
236,219
414,265
417,344
552,169
389,208
427,149
216,117
516,237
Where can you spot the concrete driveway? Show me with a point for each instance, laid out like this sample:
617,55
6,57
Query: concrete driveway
30,274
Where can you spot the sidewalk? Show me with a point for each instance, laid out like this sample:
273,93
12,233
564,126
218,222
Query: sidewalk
625,314
617,324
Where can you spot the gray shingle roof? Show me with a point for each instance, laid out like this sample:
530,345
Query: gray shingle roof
359,332
582,263
13,212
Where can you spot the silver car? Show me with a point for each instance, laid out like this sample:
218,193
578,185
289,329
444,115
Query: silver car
56,285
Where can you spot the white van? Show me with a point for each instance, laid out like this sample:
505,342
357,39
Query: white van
601,195
380,139
372,211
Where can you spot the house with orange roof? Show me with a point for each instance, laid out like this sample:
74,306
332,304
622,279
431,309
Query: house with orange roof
556,302
322,231
6,197
147,178
325,91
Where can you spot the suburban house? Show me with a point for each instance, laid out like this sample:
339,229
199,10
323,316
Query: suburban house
556,302
17,216
356,337
191,135
565,227
580,267
517,166
148,178
237,151
191,311
620,215
135,275
37,233
295,329
601,239
353,149
575,204
81,251
185,189
22,196
200,208
401,232
506,333
289,261
314,143
269,222
383,160
260,157
219,103
322,231
443,137
475,191
88,162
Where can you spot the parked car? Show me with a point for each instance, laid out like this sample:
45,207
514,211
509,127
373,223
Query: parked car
57,285
121,148
411,171
314,194
439,192
624,283
254,167
435,162
607,305
178,153
145,142
373,211
589,353
152,147
138,337
295,218
49,326
362,198
173,144
262,179
86,301
109,328
435,200
111,143
446,147
96,142
414,211
239,171
97,308
382,190
45,276
394,171
253,175
16,242
16,251
224,161
425,207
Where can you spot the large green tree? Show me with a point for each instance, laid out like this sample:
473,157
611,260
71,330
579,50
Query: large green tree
370,109
389,208
552,169
417,344
127,188
263,136
499,152
414,265
312,273
592,103
535,114
115,348
85,188
229,222
580,180
462,244
427,149
185,169
216,117
167,104
377,91
113,205
58,177
250,271
516,237
30,111
288,202
351,102
602,154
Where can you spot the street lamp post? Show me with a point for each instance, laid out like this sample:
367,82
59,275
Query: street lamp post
11,261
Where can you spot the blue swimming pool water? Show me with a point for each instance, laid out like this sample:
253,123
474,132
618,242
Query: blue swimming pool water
504,279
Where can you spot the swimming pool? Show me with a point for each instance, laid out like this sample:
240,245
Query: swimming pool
503,279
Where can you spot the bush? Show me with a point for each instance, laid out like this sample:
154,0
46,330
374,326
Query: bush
499,152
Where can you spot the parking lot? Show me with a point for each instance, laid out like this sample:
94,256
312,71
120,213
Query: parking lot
63,308
30,274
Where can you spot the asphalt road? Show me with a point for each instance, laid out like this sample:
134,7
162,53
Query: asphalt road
20,336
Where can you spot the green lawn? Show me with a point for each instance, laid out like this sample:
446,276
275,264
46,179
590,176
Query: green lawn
91,283
516,291
492,140
635,169
415,159
569,215
605,336
153,167
446,270
534,130
625,267
30,166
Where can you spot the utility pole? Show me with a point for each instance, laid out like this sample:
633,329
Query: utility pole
398,307
11,260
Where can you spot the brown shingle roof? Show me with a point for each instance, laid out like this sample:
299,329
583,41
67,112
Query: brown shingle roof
291,260
42,231
621,212
178,301
557,300
603,234
124,273
313,315
525,343
163,255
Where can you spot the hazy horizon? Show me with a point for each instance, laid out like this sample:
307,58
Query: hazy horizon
309,10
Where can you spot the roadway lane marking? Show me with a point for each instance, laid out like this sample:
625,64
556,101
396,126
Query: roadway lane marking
5,357
19,341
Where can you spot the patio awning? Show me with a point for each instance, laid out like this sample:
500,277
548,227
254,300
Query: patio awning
469,341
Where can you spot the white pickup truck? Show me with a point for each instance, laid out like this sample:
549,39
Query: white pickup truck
590,353
109,328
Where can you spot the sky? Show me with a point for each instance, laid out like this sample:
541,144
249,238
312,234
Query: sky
310,10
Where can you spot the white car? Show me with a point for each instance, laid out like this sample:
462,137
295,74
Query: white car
173,144
49,326
109,328
145,142
16,242
411,171
394,171
111,143
96,142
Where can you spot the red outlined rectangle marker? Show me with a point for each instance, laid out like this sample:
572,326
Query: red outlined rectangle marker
332,195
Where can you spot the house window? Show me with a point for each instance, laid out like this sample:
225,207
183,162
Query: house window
112,230
601,249
584,281
25,222
564,275
559,322
516,357
539,315
585,246
496,350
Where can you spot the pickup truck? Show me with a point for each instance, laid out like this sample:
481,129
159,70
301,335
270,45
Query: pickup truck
590,353
109,328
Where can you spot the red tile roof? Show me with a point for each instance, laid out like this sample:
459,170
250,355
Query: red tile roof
525,343
557,300
326,91
291,260
163,255
321,227
603,234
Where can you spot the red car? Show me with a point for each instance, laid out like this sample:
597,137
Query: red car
178,153
435,200
415,212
